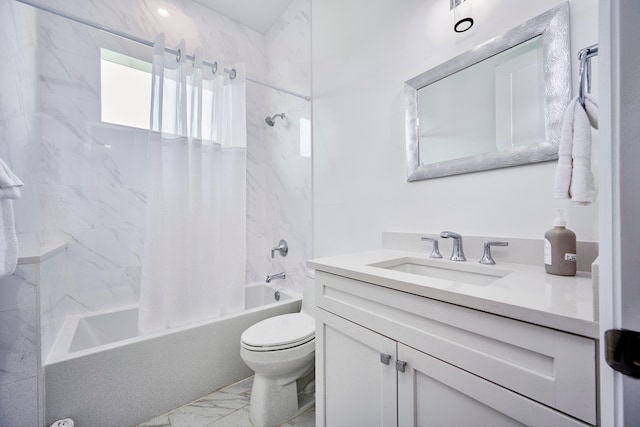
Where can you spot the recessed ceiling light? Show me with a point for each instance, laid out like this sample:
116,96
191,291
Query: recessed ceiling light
163,12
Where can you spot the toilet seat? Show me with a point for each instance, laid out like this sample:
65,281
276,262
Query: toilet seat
279,332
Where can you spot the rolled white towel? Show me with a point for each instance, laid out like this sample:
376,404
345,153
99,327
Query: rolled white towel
67,422
583,188
591,107
573,178
562,180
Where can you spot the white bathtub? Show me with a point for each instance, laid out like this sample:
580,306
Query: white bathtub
100,373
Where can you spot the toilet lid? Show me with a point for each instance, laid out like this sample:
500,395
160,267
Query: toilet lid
280,330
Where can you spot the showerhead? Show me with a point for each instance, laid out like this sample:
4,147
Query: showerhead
270,121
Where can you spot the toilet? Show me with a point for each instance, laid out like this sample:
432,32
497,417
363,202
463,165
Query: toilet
281,352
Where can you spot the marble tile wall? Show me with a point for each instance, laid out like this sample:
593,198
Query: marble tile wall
54,303
288,184
19,103
19,349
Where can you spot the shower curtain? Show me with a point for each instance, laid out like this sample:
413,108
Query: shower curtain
195,247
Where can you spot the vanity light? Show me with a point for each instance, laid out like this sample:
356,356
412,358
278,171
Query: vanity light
462,15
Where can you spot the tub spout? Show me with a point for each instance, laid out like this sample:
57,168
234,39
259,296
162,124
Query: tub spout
274,277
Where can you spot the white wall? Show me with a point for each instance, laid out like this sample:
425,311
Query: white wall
362,53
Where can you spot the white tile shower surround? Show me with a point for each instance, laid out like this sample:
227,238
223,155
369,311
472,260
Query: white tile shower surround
87,180
227,407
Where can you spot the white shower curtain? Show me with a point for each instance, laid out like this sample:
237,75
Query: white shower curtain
195,246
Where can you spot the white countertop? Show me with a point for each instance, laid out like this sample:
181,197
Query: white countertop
528,293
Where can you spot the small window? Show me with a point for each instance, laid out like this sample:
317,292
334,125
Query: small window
125,88
305,137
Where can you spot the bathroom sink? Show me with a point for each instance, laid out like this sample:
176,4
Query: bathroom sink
463,272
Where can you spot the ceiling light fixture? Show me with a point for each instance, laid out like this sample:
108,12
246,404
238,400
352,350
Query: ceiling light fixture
462,15
163,12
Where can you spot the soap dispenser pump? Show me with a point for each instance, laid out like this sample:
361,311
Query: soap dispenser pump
560,248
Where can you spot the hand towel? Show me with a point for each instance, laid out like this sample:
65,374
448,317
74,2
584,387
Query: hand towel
574,178
9,191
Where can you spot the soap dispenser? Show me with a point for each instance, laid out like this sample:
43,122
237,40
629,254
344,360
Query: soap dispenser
560,248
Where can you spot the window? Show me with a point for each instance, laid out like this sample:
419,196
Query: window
305,137
125,87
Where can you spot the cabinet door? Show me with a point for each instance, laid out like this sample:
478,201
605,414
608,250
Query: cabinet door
354,386
434,393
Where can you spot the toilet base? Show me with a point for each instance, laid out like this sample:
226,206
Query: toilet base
274,402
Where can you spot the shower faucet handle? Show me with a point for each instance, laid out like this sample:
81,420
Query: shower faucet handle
282,247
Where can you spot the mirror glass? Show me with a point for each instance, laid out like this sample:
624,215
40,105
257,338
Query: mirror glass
497,105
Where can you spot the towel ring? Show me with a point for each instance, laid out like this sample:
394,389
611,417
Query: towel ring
584,77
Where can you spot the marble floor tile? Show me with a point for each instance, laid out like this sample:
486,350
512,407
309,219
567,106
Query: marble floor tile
305,419
239,418
227,407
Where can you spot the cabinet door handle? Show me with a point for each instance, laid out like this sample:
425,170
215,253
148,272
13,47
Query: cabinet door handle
385,358
400,365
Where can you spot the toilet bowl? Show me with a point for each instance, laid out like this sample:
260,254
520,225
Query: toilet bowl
281,352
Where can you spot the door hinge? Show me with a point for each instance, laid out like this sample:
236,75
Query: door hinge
623,351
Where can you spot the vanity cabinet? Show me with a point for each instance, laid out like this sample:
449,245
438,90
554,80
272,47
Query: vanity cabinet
387,358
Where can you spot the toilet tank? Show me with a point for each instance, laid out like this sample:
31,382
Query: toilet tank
309,293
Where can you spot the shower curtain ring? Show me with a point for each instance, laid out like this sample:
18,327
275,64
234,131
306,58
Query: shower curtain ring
179,55
214,67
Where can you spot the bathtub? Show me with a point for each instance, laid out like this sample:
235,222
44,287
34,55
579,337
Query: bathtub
100,373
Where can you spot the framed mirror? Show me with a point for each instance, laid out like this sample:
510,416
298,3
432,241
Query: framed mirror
497,105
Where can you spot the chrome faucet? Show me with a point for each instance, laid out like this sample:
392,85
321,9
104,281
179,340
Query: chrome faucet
274,277
458,253
282,248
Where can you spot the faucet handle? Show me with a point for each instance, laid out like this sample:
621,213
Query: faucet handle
282,249
435,252
486,255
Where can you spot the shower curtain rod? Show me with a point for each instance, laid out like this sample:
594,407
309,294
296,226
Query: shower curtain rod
214,65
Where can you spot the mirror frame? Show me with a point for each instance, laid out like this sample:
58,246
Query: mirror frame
553,26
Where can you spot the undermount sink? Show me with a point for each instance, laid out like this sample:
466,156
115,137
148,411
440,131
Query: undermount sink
459,272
